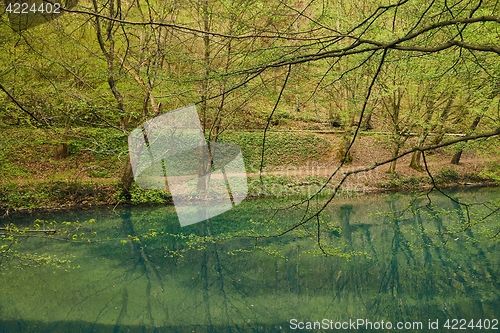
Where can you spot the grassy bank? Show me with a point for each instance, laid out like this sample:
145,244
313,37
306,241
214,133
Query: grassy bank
60,168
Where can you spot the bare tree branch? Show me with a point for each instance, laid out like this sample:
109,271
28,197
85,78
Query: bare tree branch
269,122
19,105
376,165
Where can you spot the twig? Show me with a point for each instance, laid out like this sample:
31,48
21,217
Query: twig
47,231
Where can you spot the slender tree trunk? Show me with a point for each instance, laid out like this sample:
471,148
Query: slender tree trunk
348,122
148,90
393,107
456,157
109,52
203,163
415,161
415,157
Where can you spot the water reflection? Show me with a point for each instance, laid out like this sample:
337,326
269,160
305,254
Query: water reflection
401,266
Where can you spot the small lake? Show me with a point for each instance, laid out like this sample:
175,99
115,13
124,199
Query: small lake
413,262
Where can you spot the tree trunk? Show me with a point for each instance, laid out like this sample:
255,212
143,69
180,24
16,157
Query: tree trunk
62,151
415,161
204,165
343,155
392,166
440,130
456,158
367,124
398,138
415,157
127,180
109,52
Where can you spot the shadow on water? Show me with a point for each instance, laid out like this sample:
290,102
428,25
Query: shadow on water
83,327
406,269
138,262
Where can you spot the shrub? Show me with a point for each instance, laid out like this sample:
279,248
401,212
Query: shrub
448,173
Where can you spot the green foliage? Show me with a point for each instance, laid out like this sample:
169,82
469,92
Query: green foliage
99,172
41,230
61,193
69,79
492,172
448,173
96,152
281,148
144,196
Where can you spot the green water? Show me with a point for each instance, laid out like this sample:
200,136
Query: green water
388,261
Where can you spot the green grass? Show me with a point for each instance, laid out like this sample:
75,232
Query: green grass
101,153
50,193
33,176
31,153
281,148
405,183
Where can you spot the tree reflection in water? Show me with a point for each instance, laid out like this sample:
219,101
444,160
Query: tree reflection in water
412,262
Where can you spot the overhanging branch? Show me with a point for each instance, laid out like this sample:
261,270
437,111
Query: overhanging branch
19,105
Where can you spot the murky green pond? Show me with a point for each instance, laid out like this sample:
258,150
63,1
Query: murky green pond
394,264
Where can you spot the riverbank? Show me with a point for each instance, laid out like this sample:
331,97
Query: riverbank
35,175
22,197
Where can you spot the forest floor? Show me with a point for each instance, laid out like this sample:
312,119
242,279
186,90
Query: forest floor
474,169
33,177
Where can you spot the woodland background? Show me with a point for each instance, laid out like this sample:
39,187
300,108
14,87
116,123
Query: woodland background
342,85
